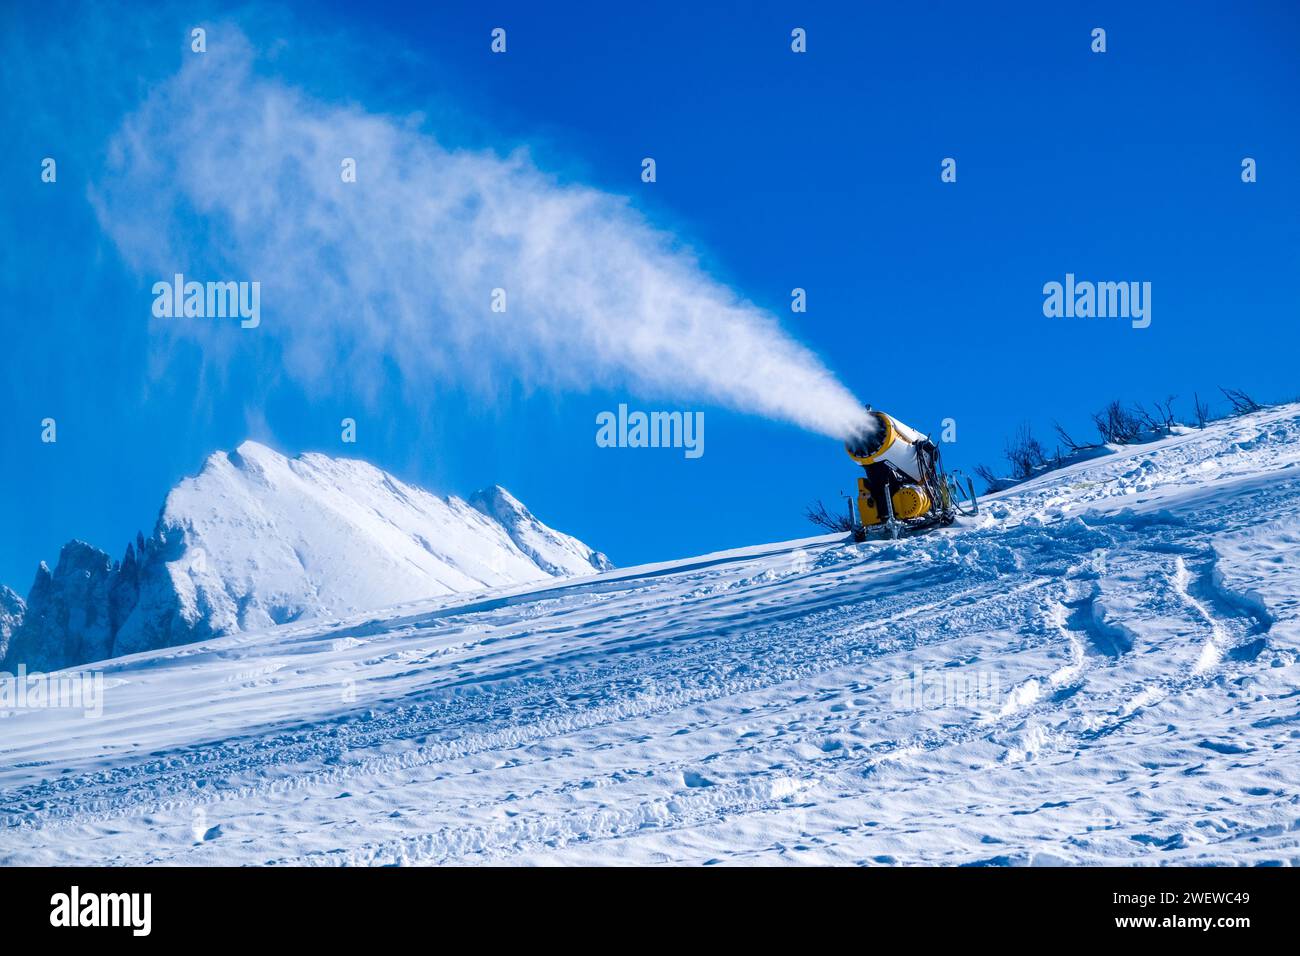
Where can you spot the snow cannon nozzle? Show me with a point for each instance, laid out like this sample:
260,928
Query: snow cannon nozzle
866,440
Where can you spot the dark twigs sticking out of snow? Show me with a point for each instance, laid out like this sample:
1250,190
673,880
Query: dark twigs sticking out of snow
818,515
1025,453
1202,410
1242,404
1064,437
1161,419
1117,424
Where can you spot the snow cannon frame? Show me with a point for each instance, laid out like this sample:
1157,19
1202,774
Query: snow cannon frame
905,486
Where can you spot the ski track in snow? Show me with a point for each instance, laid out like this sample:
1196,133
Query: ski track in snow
1135,617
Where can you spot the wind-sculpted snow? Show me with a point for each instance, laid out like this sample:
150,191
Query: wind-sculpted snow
1101,668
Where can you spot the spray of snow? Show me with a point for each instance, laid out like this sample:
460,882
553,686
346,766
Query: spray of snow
223,168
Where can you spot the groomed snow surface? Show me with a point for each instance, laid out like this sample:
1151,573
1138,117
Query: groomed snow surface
1101,668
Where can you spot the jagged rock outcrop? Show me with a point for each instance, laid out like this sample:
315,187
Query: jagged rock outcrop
12,610
67,619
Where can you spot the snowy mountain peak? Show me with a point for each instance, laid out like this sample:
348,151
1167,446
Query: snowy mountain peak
257,539
249,449
497,494
555,553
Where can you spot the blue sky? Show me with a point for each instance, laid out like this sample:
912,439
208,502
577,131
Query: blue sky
776,170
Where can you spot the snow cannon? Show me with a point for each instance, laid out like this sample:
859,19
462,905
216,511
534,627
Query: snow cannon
904,486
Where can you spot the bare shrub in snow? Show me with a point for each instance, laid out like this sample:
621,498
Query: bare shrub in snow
1025,453
1116,424
1242,404
818,515
1202,410
1068,441
992,482
1160,419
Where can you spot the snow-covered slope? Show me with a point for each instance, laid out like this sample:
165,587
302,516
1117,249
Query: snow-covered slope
258,539
1104,667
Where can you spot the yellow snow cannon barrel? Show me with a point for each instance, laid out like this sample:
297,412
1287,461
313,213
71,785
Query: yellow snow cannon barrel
889,440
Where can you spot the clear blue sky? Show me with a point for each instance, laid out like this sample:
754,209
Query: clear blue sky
819,171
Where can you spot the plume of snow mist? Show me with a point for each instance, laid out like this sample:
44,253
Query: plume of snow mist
398,269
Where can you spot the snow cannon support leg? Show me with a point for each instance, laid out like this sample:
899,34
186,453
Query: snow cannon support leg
891,523
856,528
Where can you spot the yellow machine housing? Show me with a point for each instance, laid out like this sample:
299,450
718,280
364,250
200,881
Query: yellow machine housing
910,501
